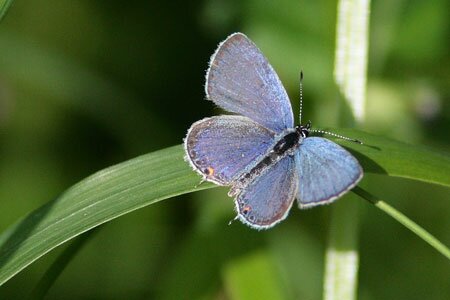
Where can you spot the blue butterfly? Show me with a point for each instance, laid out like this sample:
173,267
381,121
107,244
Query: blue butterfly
258,152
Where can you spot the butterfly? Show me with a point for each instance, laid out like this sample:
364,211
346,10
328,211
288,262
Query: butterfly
267,162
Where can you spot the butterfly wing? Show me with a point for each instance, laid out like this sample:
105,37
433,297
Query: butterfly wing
222,147
326,171
241,80
267,200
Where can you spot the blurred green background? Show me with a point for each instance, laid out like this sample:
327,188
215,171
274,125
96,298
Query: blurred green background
87,84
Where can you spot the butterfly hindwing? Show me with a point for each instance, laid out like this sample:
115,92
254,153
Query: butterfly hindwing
325,170
241,80
222,147
267,199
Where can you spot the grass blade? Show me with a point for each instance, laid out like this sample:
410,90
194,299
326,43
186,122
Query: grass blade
61,262
404,220
385,156
99,198
150,178
4,6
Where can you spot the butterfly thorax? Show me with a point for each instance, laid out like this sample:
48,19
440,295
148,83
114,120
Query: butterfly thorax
287,144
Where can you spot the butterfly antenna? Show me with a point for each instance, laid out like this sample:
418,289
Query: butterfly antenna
301,97
336,135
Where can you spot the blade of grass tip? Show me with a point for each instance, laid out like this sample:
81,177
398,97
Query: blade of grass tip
4,6
342,258
404,220
57,267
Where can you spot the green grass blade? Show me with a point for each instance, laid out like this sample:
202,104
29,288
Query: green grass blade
342,256
350,76
61,262
401,218
4,6
150,178
385,156
99,198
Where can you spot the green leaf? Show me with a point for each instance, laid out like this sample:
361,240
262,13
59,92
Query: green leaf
385,156
61,262
404,220
97,199
4,6
150,178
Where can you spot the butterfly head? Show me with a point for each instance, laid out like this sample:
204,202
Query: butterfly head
303,130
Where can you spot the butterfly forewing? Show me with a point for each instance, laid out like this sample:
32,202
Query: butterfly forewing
326,171
241,80
221,148
267,200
